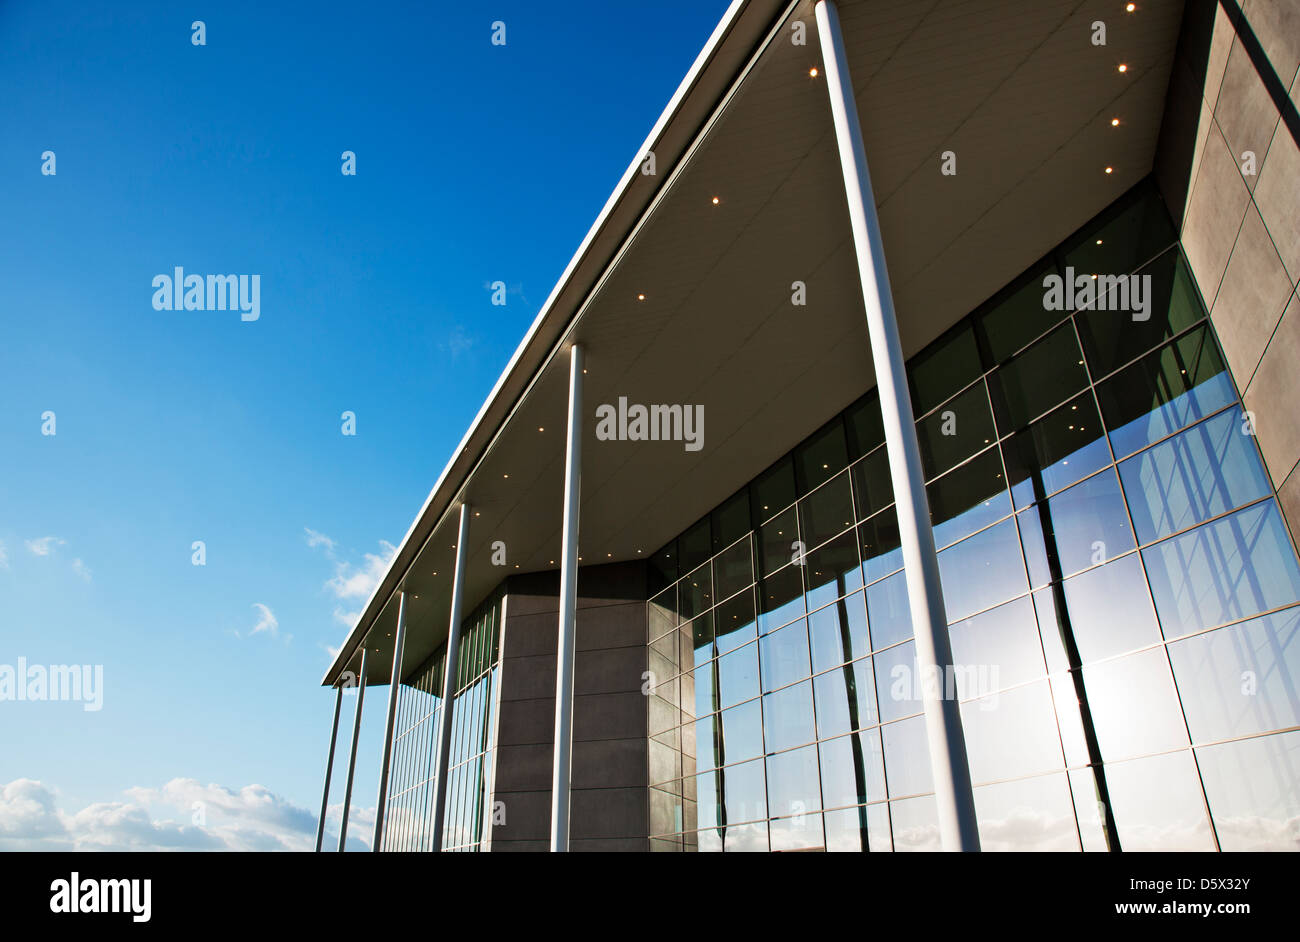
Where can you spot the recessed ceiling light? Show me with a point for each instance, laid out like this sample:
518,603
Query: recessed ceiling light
541,428
1130,7
1099,241
813,72
476,513
716,201
1114,122
1110,169
640,297
1123,67
505,475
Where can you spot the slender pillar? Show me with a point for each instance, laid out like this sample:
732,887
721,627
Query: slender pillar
329,768
352,756
449,681
953,795
560,773
394,687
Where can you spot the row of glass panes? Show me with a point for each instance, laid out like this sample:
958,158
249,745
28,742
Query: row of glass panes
1243,812
1014,401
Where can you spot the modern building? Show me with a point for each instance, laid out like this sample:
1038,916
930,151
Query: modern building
994,551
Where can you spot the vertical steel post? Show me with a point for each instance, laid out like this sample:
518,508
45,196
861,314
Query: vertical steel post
394,685
329,769
352,756
560,773
449,681
952,785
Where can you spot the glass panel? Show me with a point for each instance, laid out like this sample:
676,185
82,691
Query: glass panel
792,783
704,684
823,455
733,570
1205,471
1030,815
853,769
1165,391
888,612
1049,372
898,690
693,546
1158,804
826,512
1126,236
864,425
997,649
1017,315
832,571
701,635
1235,567
872,488
744,794
907,758
942,368
733,621
738,675
955,432
773,490
838,632
1110,610
696,591
879,544
982,570
803,832
846,699
1056,451
968,498
848,830
1169,305
1088,524
776,543
1012,733
1135,686
780,599
741,735
1241,679
731,521
1250,787
784,655
788,717
915,825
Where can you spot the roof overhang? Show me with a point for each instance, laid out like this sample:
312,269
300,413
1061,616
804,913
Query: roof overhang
1015,89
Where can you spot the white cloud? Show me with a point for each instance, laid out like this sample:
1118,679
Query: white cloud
80,569
44,545
4,556
358,582
266,621
182,815
319,539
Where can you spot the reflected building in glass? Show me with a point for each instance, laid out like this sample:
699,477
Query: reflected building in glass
1100,318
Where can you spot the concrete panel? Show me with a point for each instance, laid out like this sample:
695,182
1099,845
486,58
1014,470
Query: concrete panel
527,722
1272,397
1245,112
1220,46
1214,215
528,818
612,626
1278,198
1276,24
634,845
610,812
612,670
1254,292
608,715
609,763
1289,496
528,635
528,678
523,768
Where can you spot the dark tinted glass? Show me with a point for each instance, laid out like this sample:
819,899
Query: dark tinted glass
1171,304
821,456
1036,380
731,521
826,512
773,490
780,598
696,591
663,567
1055,451
733,569
872,488
694,546
832,571
1125,238
1165,391
942,368
863,424
955,432
733,622
968,498
1017,316
879,544
776,542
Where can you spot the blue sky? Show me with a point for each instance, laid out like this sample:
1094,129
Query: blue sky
475,163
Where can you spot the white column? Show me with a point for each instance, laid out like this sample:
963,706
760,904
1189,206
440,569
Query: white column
329,768
449,681
394,685
352,757
560,773
953,795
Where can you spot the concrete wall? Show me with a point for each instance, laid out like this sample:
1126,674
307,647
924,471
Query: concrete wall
1235,88
609,801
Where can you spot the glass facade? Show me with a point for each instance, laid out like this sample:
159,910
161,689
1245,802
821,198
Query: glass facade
409,815
1120,586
